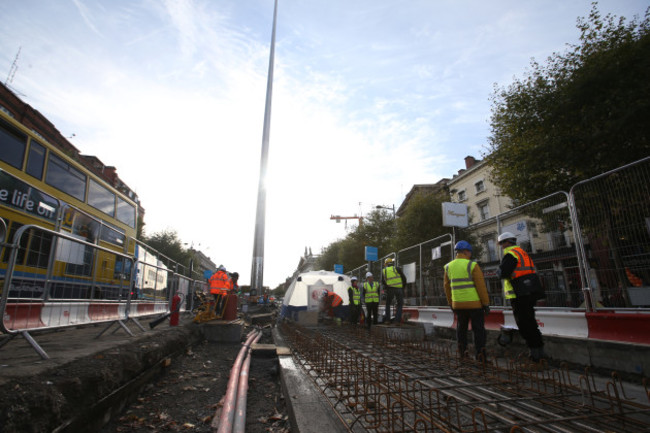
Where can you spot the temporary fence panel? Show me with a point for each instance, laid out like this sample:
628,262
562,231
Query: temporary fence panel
613,212
424,266
54,279
544,229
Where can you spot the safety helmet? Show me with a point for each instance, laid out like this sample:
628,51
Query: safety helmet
388,261
221,268
463,245
353,279
507,236
368,274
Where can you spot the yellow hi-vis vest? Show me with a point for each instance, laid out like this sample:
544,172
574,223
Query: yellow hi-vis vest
371,291
525,266
459,272
356,295
392,277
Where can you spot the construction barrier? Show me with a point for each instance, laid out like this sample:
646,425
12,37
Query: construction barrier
55,280
617,326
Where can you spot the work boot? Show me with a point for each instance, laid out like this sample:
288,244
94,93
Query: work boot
537,354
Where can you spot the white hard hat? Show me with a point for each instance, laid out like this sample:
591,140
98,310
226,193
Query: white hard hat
506,236
368,274
353,279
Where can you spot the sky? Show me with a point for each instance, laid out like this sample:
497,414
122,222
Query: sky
370,97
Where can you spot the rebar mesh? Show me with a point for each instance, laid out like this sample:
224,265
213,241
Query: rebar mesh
384,382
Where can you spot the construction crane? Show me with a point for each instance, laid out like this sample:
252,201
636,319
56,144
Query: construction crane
338,219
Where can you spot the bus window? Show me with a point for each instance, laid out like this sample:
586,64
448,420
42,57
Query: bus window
66,178
12,145
39,249
125,212
101,198
115,237
35,160
13,227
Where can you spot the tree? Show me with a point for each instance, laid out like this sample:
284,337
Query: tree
583,113
167,243
421,221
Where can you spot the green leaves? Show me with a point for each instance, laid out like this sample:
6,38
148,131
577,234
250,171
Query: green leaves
582,113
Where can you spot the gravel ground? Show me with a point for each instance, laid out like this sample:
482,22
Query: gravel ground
187,395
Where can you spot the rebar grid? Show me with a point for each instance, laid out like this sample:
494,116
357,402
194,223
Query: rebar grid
390,383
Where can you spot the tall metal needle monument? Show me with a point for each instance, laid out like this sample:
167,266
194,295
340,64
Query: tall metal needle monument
257,272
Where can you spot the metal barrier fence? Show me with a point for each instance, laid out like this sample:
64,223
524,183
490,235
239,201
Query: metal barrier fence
544,229
591,247
613,221
56,280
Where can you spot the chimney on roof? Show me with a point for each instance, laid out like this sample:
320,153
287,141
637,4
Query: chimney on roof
469,162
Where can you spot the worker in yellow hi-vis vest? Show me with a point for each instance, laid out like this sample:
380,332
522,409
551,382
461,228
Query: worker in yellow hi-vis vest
468,297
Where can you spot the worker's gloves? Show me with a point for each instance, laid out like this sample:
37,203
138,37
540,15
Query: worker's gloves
486,310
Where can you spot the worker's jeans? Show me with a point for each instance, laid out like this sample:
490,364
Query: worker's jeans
398,294
477,317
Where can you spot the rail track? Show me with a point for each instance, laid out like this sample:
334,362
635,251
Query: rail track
385,382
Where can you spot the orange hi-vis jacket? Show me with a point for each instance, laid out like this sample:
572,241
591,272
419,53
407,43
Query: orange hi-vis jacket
334,299
220,283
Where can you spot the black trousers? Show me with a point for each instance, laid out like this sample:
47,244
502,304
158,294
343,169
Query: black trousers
372,313
354,313
477,317
523,308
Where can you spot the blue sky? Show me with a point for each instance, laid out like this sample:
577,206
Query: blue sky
370,97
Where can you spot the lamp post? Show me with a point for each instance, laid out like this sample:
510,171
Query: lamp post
387,208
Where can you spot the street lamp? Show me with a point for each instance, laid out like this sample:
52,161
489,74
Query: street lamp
387,208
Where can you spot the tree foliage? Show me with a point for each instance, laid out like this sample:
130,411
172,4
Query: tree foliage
168,244
421,221
584,112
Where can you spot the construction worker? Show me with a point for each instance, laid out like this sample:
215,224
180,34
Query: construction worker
332,305
371,297
220,285
393,280
522,287
354,295
468,297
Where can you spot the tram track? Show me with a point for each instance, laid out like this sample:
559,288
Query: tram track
385,382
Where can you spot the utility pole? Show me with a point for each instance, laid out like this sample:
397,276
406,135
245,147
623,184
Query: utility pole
257,271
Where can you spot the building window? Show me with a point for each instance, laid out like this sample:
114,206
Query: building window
480,186
483,210
462,196
491,248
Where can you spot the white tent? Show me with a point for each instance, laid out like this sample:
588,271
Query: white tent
303,293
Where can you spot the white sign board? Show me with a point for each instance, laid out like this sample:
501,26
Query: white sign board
454,215
519,229
409,272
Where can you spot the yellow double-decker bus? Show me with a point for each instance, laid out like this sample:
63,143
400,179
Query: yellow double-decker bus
40,184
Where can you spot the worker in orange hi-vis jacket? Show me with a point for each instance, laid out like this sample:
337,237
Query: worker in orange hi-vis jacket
332,305
220,285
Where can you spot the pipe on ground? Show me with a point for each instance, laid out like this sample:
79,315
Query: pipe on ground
228,410
239,425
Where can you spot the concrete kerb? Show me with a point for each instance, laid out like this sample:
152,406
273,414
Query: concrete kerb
309,410
629,360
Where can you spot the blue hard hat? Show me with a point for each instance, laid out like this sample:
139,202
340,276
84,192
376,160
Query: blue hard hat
463,245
